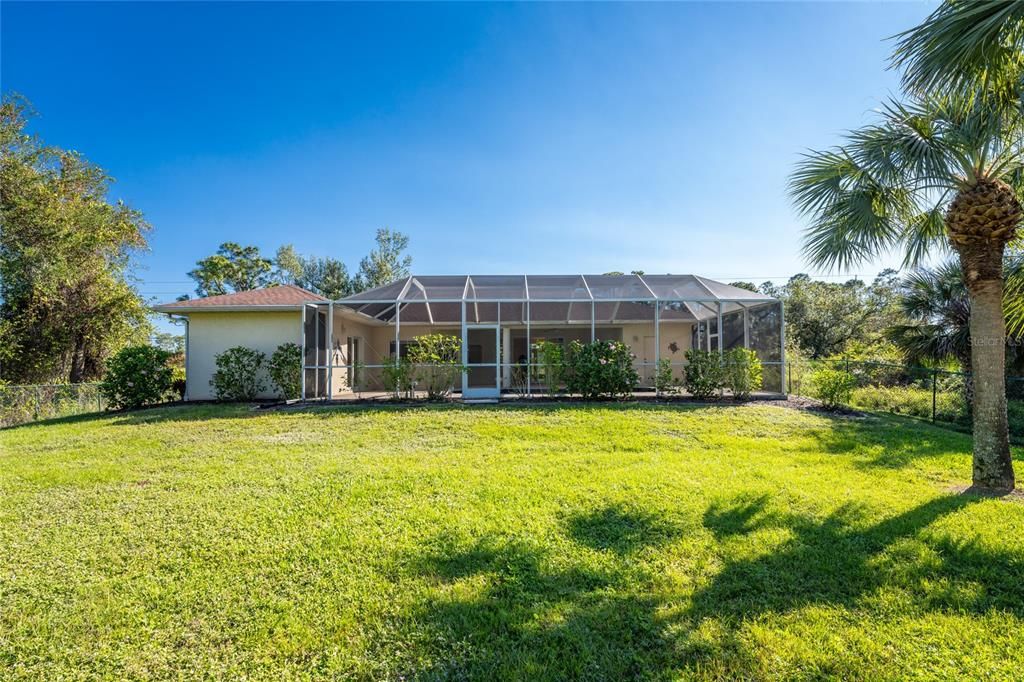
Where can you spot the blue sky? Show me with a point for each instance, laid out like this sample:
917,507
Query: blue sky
501,138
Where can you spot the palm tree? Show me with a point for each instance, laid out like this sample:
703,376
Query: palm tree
965,46
935,172
969,46
938,309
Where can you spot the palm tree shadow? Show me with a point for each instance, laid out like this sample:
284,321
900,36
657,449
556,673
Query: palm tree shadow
619,529
514,610
838,560
534,618
890,448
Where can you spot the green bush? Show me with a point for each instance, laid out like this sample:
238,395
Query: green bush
741,372
137,376
664,382
178,382
703,373
549,365
438,363
833,387
239,374
398,377
602,369
286,370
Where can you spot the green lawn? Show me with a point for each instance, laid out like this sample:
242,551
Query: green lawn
486,543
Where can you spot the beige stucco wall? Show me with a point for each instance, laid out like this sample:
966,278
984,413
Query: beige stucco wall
214,332
671,332
676,332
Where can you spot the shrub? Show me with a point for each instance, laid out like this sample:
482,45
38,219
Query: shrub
910,400
178,382
398,378
438,361
549,365
357,379
833,387
601,369
741,372
664,382
703,373
239,375
137,376
286,370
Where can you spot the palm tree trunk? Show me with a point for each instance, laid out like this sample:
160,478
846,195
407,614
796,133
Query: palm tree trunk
993,467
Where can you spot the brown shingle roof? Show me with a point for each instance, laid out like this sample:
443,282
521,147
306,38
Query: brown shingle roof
282,296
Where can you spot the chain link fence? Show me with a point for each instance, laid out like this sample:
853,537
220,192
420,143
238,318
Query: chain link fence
22,404
935,395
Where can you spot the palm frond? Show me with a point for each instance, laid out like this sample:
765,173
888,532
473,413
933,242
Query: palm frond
938,308
925,235
1013,294
927,342
855,216
964,46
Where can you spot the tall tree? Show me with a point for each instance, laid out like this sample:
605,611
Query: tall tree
822,318
386,263
290,265
66,297
933,171
233,268
325,276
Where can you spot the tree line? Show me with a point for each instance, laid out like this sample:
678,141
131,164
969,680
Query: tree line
242,268
919,318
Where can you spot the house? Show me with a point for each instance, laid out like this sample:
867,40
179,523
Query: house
347,343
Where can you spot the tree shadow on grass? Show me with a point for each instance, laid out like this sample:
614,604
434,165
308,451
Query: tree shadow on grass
620,529
841,560
512,610
522,615
892,442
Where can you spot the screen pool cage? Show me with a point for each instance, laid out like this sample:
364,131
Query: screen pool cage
349,344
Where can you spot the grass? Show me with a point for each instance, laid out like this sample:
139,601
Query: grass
600,542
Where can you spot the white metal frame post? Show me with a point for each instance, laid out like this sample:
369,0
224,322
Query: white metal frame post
746,327
316,354
499,358
330,350
398,331
782,344
593,309
302,321
465,350
721,348
657,344
529,353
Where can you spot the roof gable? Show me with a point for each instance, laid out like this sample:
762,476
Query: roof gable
281,296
